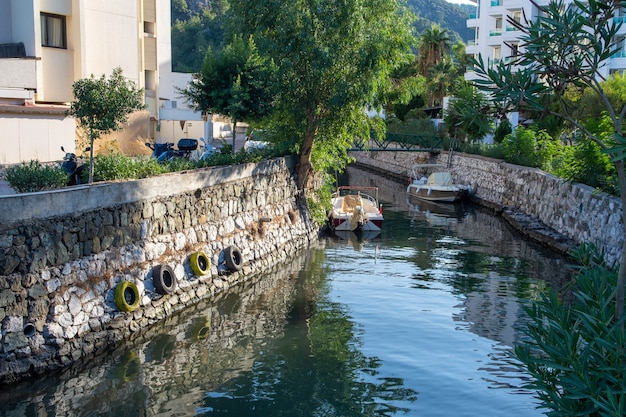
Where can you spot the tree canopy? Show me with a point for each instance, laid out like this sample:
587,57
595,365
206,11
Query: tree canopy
235,81
102,105
332,58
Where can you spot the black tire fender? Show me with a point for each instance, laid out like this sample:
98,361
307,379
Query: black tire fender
233,258
164,279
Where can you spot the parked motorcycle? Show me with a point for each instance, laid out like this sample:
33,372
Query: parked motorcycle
73,168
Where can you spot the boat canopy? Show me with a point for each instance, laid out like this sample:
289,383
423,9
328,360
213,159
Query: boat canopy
439,178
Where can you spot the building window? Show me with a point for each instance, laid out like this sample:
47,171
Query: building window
53,31
497,53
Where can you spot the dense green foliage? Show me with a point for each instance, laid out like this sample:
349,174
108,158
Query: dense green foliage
585,163
33,176
576,350
452,17
235,81
530,148
504,128
467,117
102,105
196,30
119,167
332,59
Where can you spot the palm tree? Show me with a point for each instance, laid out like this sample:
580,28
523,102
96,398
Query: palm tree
434,44
439,80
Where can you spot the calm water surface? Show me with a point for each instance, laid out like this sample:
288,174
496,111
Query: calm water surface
415,321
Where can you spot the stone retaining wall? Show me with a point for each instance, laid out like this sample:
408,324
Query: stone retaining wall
547,209
63,253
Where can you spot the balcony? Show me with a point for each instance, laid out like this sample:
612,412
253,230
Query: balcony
496,32
619,54
18,73
619,19
495,3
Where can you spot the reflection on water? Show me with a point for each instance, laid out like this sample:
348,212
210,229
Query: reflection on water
417,320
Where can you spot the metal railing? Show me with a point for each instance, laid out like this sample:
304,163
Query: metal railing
401,142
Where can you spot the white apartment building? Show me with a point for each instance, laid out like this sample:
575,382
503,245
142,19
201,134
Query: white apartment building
496,40
46,45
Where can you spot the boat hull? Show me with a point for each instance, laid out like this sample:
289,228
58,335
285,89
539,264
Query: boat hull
436,193
344,223
356,210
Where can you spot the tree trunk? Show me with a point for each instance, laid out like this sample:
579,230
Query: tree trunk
304,164
232,151
621,277
91,140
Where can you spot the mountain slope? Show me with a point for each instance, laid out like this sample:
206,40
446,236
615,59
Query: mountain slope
449,15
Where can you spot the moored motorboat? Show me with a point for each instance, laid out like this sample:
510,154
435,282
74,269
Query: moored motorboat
437,186
356,209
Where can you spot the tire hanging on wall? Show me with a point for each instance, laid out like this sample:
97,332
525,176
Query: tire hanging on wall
200,263
232,258
164,279
127,296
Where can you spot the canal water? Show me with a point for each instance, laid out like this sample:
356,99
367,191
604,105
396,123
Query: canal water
417,320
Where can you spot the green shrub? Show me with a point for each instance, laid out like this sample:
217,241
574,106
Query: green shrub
584,162
225,157
320,202
530,148
493,150
179,164
33,176
114,167
503,129
576,352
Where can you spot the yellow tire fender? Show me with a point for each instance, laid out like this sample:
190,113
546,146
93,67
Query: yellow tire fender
127,296
200,263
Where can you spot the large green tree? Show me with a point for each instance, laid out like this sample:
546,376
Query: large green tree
235,81
102,105
566,47
332,57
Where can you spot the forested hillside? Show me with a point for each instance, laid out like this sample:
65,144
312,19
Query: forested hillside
450,16
199,24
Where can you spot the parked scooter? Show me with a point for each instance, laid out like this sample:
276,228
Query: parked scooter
73,168
159,149
209,149
164,152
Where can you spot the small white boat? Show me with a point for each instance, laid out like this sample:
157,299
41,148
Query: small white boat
437,186
356,209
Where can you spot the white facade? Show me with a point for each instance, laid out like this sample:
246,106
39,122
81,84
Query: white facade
46,45
495,39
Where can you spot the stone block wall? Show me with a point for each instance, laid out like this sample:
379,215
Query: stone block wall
565,213
63,253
